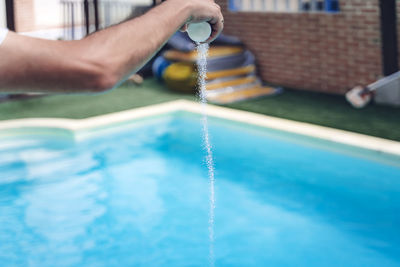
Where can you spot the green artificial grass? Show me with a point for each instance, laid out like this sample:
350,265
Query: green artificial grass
322,109
80,106
328,110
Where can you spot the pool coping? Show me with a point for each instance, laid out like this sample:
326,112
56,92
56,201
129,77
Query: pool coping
330,134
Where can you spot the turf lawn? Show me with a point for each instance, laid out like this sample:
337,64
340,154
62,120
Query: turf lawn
316,108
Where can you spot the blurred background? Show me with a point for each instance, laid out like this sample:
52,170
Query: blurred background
65,19
302,57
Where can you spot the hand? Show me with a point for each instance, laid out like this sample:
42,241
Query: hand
204,10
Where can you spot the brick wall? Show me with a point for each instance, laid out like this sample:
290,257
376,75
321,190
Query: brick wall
320,52
24,15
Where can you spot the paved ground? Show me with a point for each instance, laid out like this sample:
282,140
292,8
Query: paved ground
316,108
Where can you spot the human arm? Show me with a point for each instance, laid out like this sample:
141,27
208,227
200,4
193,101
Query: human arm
102,60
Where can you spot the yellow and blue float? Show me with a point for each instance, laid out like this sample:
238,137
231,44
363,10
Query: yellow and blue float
231,73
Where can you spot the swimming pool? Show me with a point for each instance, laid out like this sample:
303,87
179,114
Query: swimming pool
137,195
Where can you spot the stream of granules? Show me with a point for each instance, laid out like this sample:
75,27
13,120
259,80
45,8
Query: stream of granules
202,50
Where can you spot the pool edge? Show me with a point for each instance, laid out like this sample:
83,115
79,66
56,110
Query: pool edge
78,126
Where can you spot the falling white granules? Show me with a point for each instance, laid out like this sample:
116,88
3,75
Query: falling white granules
202,50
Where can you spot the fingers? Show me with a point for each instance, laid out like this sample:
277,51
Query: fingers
216,30
209,11
217,25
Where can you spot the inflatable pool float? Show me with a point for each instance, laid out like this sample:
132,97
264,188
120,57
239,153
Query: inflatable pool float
159,66
221,84
231,72
181,77
240,95
245,70
213,52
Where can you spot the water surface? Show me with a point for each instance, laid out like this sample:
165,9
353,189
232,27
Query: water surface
139,196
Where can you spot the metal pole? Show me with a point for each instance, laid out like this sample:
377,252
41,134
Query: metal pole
86,14
389,36
96,14
10,15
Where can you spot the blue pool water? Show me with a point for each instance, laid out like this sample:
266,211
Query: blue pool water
138,196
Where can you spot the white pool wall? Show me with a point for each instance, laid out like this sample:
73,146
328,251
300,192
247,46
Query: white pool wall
83,127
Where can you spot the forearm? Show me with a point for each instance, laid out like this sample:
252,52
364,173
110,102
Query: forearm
93,64
102,60
125,48
37,65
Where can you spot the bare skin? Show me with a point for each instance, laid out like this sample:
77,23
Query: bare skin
102,60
